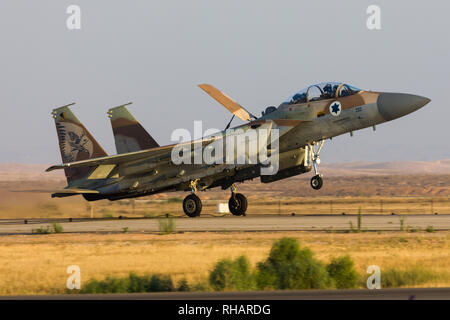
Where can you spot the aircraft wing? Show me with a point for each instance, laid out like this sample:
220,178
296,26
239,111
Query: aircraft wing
232,106
154,154
75,191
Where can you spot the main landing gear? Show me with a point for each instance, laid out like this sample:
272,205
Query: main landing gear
192,205
316,181
237,203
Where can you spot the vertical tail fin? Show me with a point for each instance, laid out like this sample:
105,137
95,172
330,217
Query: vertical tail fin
75,142
129,135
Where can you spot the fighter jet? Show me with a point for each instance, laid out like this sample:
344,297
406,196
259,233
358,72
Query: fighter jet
302,123
129,135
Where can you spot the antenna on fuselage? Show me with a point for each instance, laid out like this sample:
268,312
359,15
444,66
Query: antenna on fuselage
229,123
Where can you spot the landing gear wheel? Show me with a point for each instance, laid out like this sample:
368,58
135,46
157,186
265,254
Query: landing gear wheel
192,206
316,182
238,204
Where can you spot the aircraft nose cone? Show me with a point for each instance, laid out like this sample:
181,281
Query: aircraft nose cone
395,105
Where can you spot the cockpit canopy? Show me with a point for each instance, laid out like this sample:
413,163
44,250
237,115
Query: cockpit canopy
322,91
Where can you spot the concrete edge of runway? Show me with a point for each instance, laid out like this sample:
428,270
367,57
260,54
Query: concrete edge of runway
348,294
309,223
337,231
207,216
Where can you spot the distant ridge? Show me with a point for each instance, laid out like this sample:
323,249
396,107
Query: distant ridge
397,167
27,172
21,171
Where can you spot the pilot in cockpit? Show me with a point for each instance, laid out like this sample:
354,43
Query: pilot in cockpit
346,91
335,87
328,91
299,98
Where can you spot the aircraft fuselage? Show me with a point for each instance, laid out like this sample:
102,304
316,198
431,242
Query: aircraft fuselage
351,113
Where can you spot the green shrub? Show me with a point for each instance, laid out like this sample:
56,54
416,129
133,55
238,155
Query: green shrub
359,219
402,223
167,225
57,228
42,230
429,229
174,199
201,286
183,286
413,229
160,283
232,275
341,270
138,283
132,283
291,267
394,278
108,285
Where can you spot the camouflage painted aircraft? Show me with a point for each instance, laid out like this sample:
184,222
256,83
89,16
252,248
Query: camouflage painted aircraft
142,167
129,135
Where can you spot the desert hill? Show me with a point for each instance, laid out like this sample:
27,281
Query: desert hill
409,178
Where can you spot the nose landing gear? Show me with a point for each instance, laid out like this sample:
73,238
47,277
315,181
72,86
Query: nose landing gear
316,181
238,203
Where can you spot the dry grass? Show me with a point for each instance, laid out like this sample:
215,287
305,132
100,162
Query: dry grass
37,264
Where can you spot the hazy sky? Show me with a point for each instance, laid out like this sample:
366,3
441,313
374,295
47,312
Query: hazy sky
259,52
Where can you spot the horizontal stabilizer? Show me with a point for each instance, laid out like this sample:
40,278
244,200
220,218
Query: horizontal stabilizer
68,191
152,155
232,106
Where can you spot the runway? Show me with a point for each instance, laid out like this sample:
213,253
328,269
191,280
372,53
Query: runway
231,223
354,294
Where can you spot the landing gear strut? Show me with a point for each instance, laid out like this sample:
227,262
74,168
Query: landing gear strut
237,203
316,181
192,205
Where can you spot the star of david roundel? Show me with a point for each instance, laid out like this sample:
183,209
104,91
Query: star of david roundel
335,108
